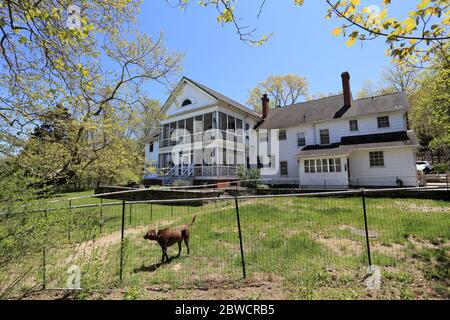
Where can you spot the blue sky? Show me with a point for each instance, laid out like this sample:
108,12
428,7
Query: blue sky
301,43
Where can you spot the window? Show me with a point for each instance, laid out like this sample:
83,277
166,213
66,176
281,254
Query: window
324,165
383,122
208,121
310,166
282,135
150,147
283,168
301,139
353,125
238,124
190,125
337,163
331,165
376,159
324,136
231,124
186,102
222,121
318,167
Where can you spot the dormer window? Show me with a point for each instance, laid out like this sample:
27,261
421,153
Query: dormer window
186,102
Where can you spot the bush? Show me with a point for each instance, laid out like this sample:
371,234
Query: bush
441,168
249,174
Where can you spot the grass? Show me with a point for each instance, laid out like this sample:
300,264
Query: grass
307,248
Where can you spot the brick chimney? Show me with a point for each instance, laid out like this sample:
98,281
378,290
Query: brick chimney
265,105
346,89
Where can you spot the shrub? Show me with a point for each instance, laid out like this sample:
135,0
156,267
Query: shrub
441,168
249,174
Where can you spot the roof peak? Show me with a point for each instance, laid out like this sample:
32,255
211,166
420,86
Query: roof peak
381,95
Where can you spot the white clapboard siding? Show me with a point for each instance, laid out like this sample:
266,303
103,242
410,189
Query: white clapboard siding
398,162
366,125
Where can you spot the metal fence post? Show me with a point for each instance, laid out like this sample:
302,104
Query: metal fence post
365,226
70,221
171,209
131,206
121,240
240,236
44,257
151,211
101,214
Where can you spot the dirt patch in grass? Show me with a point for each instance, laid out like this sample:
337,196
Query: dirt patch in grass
101,244
420,207
341,246
359,232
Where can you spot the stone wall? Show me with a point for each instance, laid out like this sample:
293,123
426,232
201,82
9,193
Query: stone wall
157,194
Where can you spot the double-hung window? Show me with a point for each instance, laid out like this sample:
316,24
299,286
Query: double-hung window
353,125
324,136
282,135
301,141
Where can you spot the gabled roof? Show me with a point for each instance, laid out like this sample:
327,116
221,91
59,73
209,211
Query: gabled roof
332,108
216,95
223,98
349,143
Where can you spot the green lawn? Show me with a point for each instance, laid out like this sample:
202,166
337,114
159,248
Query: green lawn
307,248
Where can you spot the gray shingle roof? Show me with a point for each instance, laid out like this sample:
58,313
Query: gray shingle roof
332,108
382,140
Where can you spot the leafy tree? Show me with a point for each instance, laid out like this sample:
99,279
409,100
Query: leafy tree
413,39
430,114
401,77
95,70
396,78
282,90
370,89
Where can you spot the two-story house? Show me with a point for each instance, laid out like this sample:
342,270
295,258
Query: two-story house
330,142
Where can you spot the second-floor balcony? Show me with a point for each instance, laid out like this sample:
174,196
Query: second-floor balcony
203,137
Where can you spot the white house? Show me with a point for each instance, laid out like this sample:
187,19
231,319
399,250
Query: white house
329,142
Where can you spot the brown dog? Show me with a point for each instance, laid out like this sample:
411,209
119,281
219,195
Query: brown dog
168,237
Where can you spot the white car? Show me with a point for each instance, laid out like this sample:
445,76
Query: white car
424,166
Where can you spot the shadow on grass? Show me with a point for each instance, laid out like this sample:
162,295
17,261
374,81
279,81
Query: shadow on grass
155,266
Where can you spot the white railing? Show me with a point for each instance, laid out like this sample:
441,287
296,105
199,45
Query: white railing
188,170
172,171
